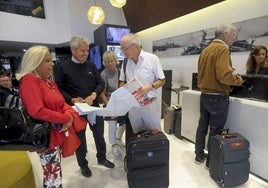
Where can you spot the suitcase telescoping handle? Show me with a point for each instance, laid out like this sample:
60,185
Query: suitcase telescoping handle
225,131
225,134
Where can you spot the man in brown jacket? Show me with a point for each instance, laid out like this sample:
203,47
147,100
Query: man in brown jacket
215,76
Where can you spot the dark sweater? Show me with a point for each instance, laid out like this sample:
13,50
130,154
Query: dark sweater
9,97
78,80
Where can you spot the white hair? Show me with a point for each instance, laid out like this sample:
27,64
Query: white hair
227,27
76,40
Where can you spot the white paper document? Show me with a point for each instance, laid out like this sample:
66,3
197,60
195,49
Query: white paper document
84,108
120,102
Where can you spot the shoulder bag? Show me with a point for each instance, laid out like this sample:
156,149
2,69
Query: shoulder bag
18,131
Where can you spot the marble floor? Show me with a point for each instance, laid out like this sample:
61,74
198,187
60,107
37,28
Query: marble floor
183,171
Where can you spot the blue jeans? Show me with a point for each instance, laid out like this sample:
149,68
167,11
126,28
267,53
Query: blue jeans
213,114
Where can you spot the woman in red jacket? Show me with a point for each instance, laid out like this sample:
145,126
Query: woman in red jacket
42,99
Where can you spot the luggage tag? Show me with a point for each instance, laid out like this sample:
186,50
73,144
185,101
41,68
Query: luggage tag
237,145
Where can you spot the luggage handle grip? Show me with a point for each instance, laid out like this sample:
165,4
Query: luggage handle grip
228,136
225,131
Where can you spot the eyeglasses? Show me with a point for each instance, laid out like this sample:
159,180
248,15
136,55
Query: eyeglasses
126,48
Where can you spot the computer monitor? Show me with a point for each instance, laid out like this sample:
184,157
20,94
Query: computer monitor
6,66
117,50
115,33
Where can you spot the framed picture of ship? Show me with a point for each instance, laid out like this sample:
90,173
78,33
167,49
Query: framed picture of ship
249,33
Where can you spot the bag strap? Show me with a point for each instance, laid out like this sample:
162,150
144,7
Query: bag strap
17,95
12,101
124,68
124,64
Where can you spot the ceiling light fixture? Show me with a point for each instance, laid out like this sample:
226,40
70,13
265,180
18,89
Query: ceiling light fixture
118,3
95,14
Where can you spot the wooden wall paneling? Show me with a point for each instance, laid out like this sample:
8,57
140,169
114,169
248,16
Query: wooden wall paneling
143,14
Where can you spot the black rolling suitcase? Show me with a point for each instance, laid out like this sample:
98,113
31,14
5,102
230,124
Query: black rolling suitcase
229,159
147,160
177,123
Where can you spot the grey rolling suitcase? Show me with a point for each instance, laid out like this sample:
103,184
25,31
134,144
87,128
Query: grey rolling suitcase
229,159
169,118
172,121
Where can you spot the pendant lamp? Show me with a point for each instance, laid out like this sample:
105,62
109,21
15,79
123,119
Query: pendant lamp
95,15
118,3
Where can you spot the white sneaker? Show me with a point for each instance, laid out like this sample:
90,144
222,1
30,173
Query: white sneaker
120,143
115,151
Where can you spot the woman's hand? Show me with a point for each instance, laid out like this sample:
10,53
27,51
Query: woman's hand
65,126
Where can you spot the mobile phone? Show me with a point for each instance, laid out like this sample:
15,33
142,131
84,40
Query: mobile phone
58,126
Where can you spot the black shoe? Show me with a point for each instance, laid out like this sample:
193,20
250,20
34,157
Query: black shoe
200,158
106,163
86,171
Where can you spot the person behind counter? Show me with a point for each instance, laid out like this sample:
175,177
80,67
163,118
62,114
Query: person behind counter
257,62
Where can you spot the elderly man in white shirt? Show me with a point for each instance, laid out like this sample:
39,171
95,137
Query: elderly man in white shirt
147,69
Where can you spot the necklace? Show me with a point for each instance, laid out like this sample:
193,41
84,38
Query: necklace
50,86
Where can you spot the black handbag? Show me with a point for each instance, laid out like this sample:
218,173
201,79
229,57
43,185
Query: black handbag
18,131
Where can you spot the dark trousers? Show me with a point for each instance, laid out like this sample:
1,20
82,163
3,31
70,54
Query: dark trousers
98,132
213,114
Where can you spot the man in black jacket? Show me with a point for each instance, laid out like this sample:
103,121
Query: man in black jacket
9,96
79,81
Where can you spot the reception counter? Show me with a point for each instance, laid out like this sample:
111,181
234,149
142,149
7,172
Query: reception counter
246,117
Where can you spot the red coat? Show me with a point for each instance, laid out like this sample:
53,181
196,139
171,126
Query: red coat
44,101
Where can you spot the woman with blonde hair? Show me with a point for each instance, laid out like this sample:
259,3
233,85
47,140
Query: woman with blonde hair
110,75
46,103
257,62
